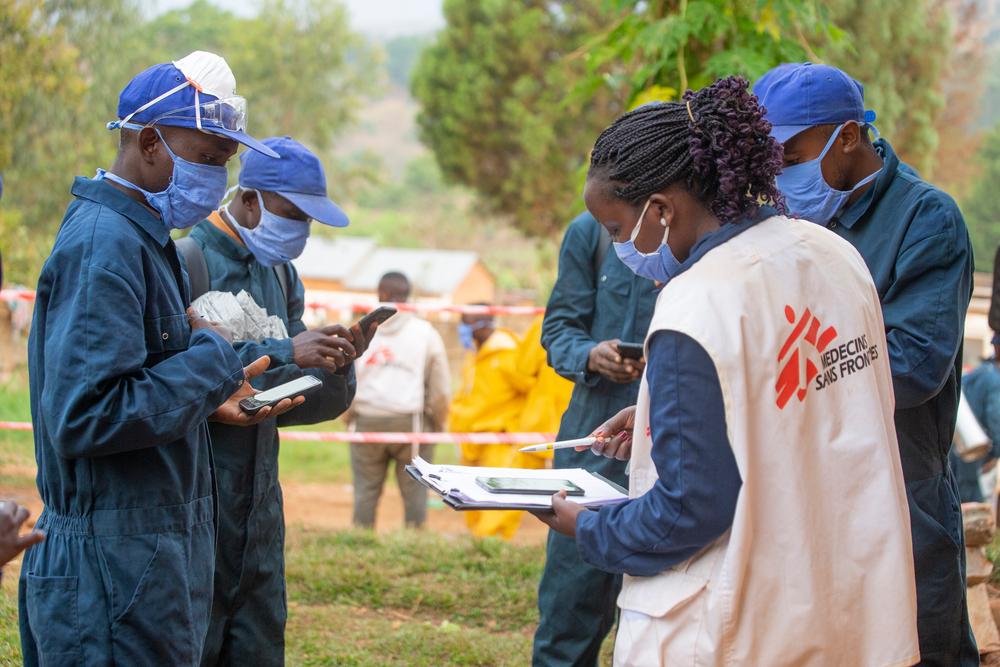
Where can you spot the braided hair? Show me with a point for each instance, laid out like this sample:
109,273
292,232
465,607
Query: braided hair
716,142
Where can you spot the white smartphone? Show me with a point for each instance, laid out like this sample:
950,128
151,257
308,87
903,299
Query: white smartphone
298,387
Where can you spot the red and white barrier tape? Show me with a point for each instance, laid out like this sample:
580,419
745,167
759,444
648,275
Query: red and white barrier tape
362,307
384,438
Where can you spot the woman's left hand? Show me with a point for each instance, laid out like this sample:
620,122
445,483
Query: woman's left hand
562,518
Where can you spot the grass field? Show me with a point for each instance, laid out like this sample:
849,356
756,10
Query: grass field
355,598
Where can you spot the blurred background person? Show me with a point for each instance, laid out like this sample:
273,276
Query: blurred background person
404,384
981,389
490,400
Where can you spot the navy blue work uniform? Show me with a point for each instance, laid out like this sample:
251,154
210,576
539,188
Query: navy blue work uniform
249,609
577,602
982,391
120,392
914,241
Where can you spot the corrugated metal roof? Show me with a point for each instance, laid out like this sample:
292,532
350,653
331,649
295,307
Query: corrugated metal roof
358,264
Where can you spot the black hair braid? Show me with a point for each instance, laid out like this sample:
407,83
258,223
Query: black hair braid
716,142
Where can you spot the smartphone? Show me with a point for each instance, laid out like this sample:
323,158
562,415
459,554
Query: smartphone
377,316
298,387
529,485
631,351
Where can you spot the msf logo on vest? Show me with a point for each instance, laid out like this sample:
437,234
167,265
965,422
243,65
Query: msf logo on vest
807,357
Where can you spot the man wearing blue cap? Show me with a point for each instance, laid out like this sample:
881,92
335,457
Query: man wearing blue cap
123,382
248,245
914,241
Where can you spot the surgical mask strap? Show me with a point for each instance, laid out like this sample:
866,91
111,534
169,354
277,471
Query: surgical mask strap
638,225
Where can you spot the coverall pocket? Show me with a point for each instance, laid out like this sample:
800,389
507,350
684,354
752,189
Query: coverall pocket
156,619
167,334
54,619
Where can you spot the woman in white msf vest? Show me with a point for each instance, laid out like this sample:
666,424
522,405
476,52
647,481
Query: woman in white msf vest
766,523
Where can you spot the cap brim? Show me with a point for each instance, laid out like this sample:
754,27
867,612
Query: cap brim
246,140
319,208
783,133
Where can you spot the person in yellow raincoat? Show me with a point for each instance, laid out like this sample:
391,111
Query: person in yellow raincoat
547,398
490,401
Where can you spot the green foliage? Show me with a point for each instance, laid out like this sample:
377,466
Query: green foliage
675,45
898,49
63,63
402,54
492,88
514,94
982,207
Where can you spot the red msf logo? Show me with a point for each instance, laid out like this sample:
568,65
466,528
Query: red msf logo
381,356
798,370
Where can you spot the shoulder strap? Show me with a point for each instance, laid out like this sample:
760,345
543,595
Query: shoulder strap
601,251
197,267
283,273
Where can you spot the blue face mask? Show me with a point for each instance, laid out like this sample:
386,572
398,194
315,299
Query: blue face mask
660,265
807,193
465,333
275,240
194,191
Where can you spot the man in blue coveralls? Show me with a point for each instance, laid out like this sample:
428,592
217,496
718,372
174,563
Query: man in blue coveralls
595,302
123,383
244,244
982,391
914,241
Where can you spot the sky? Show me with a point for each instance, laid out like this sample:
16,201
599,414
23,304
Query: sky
378,18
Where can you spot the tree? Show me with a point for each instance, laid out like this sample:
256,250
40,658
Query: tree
898,50
493,88
514,94
982,207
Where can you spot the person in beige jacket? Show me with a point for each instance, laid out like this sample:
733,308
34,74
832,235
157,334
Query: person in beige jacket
404,385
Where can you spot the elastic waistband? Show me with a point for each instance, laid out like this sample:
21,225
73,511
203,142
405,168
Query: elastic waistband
133,521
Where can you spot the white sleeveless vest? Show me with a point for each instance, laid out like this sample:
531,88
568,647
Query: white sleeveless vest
817,568
390,374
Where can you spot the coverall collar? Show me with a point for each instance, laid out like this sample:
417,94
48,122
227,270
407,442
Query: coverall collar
224,243
890,165
102,192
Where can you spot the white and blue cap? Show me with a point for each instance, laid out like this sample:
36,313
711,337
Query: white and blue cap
297,176
198,91
798,96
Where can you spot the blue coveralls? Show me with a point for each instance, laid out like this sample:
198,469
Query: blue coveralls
982,390
249,610
120,393
577,602
914,241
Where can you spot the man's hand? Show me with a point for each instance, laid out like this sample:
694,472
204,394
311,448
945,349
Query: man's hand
328,348
362,338
562,518
198,322
614,437
230,411
12,517
605,360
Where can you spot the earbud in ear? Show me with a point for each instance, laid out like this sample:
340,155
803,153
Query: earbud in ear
663,221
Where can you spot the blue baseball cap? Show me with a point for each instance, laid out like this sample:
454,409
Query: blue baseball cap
297,176
197,91
797,96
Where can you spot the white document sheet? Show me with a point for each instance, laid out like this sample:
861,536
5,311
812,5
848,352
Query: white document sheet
460,482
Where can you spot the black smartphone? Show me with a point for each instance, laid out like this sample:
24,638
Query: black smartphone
529,485
298,387
377,316
631,350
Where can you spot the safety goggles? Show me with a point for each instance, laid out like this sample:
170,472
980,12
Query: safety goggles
229,113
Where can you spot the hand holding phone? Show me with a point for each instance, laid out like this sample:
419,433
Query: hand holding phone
633,351
376,317
298,387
